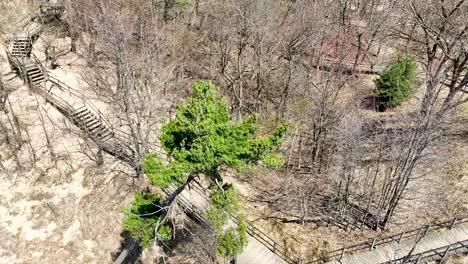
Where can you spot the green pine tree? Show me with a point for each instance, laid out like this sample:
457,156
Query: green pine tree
201,139
397,83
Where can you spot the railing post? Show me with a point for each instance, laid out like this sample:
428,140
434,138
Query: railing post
274,246
343,252
427,230
419,232
453,223
401,236
372,245
445,254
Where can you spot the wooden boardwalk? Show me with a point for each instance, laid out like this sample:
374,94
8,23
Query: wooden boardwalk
257,250
257,253
393,251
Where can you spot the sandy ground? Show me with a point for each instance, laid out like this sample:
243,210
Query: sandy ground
57,206
457,260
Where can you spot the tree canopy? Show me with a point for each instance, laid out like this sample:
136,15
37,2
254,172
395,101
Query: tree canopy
199,140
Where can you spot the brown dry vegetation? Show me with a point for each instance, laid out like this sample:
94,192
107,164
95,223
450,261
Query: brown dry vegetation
57,205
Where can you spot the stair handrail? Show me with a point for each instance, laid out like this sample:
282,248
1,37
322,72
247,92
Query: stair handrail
21,23
44,71
88,103
66,88
20,65
58,100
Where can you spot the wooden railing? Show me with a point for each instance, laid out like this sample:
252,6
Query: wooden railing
439,254
24,22
375,242
254,232
120,135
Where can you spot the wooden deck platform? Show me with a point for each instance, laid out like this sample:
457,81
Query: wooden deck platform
393,251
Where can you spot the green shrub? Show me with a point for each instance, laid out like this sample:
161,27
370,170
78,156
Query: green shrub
397,83
164,233
232,241
183,3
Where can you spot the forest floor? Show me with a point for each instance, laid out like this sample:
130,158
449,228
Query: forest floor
57,206
441,194
62,207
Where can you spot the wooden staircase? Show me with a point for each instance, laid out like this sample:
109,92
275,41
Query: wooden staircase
30,69
95,127
34,74
88,122
21,47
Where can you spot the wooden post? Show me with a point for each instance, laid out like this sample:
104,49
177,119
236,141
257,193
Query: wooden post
274,247
401,236
453,223
343,252
427,230
419,232
445,254
372,245
99,158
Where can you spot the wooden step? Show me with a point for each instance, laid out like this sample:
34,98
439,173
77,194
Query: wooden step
35,75
94,127
105,135
79,109
31,67
81,114
40,77
21,50
87,118
37,80
100,130
34,72
19,54
92,123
